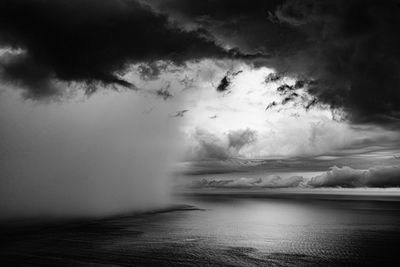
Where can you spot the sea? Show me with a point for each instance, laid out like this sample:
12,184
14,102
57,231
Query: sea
222,228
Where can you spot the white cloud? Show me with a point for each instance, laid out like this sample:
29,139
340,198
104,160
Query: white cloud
388,176
282,131
209,146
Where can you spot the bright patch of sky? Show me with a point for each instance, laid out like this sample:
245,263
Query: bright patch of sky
272,123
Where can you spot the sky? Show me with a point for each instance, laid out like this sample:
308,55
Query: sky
101,102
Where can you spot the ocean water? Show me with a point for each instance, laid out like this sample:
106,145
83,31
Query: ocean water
221,230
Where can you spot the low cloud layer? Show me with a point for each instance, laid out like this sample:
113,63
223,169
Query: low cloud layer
272,181
348,177
345,177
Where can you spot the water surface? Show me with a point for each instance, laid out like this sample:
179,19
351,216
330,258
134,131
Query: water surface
223,230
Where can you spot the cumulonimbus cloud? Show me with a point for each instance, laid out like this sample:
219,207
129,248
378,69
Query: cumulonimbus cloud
349,47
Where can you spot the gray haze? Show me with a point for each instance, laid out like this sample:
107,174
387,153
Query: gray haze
94,157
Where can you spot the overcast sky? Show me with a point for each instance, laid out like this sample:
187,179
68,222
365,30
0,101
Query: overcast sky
97,89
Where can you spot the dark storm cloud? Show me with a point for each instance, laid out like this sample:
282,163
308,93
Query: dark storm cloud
241,23
223,84
226,81
353,52
26,72
349,47
90,42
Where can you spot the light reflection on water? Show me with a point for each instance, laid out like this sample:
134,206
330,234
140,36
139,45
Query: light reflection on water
229,231
327,231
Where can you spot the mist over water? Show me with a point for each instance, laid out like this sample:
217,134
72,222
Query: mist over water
84,157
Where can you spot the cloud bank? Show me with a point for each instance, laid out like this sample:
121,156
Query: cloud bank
348,177
272,181
345,177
